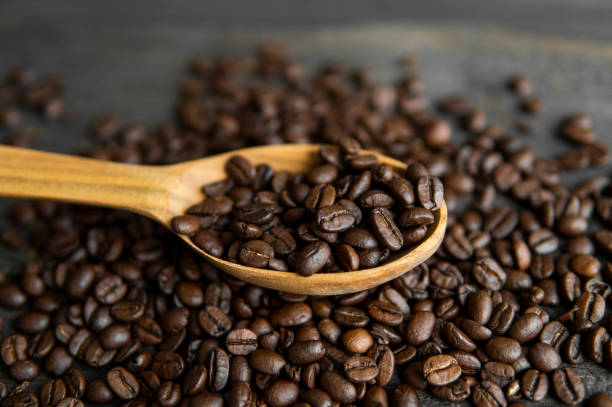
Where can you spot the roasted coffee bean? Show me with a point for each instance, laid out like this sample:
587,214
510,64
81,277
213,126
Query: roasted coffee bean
281,393
266,361
13,348
501,222
58,361
585,265
305,352
256,253
499,373
357,340
430,192
334,218
214,321
339,389
347,258
385,229
501,349
98,392
419,327
488,273
594,344
488,394
241,341
568,386
24,370
404,396
75,382
218,369
440,370
590,307
185,224
360,369
123,383
312,258
534,385
52,392
456,338
526,327
544,357
502,319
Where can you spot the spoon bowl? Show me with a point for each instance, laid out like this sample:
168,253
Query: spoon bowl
162,192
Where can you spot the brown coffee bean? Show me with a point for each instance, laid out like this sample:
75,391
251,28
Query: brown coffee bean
488,394
405,396
386,230
339,389
534,385
501,349
419,327
241,341
440,370
544,357
568,386
360,369
123,383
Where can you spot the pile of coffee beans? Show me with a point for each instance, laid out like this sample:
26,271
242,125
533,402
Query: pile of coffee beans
283,221
112,307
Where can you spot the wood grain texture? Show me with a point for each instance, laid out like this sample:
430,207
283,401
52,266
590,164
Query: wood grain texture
162,192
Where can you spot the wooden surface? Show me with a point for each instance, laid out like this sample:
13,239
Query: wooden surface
163,192
127,57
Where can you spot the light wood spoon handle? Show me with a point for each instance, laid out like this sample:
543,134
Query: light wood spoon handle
35,174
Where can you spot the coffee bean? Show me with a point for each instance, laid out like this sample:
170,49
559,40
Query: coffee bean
419,327
440,370
501,349
405,396
281,393
534,385
338,388
123,383
24,370
214,321
347,258
488,394
58,361
256,253
430,192
386,230
13,348
499,373
241,341
568,386
312,258
334,218
525,328
208,242
75,383
98,392
489,273
52,392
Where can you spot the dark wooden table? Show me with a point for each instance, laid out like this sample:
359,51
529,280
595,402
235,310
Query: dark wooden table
126,58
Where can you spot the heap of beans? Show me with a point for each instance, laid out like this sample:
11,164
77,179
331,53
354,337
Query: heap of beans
283,221
114,308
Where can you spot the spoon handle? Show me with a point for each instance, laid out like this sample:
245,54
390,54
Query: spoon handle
28,173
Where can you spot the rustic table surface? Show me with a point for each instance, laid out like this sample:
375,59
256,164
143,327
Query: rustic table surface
126,58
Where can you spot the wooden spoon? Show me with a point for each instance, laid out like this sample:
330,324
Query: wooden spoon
162,192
